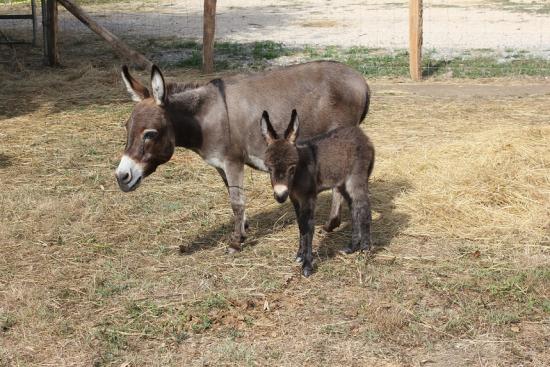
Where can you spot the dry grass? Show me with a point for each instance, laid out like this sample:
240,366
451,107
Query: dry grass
89,275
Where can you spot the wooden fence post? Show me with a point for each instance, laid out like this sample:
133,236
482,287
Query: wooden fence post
49,24
209,27
415,39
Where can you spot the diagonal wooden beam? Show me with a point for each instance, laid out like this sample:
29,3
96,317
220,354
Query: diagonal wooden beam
121,48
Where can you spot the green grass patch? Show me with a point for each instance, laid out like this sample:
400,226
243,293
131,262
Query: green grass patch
113,342
204,323
372,62
216,301
268,50
228,55
380,63
107,288
533,7
137,310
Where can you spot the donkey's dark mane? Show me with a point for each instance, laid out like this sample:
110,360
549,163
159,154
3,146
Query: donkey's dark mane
173,88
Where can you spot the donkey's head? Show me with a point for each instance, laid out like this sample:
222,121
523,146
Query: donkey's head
150,136
281,156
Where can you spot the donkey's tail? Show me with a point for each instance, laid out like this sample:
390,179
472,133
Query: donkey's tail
367,103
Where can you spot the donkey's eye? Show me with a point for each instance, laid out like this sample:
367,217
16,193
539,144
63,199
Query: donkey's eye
150,134
291,170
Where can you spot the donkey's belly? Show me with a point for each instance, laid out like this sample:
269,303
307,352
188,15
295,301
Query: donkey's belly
256,163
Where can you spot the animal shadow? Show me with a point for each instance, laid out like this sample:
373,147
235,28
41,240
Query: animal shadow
384,227
5,161
386,223
261,224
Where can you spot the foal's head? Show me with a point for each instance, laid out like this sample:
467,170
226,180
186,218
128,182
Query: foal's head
150,138
281,156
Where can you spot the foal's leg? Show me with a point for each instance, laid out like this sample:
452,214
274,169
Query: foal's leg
361,216
306,222
301,247
234,172
362,219
334,218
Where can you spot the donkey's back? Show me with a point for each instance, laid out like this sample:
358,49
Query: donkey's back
327,94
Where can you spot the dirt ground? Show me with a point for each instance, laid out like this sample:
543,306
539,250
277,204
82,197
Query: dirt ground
92,276
450,27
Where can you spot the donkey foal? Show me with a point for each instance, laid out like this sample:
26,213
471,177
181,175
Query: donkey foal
342,159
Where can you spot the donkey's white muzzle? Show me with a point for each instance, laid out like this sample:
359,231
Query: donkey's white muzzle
129,174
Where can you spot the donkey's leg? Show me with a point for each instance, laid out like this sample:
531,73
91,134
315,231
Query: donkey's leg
234,172
224,178
307,228
335,217
301,247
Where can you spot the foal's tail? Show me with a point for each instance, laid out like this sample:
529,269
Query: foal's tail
367,103
371,163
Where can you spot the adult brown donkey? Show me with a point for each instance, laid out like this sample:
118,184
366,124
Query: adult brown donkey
219,121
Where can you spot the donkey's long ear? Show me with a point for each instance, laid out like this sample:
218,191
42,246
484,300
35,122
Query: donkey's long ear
291,132
268,132
157,83
137,91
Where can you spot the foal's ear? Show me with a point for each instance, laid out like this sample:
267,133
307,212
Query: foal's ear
137,91
291,132
157,83
268,132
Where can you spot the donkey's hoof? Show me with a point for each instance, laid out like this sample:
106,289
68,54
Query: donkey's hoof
299,259
236,240
233,249
246,224
331,224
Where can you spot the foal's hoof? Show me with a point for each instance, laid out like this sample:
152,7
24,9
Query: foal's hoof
366,249
347,250
307,271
